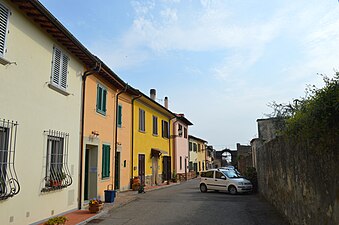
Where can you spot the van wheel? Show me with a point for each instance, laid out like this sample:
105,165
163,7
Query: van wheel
232,190
203,188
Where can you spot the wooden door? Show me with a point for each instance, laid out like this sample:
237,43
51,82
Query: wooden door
141,168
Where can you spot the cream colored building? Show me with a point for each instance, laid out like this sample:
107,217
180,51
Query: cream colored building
41,68
197,154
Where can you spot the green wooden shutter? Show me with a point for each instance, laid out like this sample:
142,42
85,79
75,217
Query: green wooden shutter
105,161
119,115
98,97
104,100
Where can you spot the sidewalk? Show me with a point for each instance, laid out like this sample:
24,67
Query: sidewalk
81,217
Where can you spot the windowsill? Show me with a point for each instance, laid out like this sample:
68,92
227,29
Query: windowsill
4,61
101,112
156,135
142,131
55,88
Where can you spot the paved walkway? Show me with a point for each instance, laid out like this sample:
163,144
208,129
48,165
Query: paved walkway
80,217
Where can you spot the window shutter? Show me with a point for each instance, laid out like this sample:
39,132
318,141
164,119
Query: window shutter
4,15
99,98
105,161
104,93
56,66
119,115
64,71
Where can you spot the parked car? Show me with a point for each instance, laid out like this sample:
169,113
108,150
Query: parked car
224,179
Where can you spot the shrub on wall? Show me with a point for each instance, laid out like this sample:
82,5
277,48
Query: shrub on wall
315,117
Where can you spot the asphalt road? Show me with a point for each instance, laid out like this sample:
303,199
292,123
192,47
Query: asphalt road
185,204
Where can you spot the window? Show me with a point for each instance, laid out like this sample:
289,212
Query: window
57,172
106,149
218,175
101,99
180,130
203,166
185,132
208,174
119,116
199,166
59,69
199,147
142,120
165,129
190,144
155,125
194,147
4,15
9,185
190,166
180,163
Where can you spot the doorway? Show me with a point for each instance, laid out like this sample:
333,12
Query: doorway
141,168
91,171
117,171
155,160
167,168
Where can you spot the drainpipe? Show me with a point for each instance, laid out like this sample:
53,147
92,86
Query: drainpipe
169,142
132,147
87,73
116,135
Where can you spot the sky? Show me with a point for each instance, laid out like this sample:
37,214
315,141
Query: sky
220,62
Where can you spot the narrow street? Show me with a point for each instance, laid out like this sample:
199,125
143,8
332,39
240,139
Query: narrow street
185,204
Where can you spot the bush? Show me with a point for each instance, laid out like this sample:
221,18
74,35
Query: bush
251,175
59,220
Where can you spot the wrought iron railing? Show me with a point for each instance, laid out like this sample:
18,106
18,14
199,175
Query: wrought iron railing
57,174
9,184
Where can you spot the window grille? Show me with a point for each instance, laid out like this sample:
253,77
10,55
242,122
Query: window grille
59,69
4,15
57,173
9,184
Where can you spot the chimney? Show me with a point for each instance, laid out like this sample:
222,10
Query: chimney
153,94
166,102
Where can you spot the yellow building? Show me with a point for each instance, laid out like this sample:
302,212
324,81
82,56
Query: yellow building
152,161
197,154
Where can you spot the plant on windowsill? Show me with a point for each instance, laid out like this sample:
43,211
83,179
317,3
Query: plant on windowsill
59,220
95,205
56,179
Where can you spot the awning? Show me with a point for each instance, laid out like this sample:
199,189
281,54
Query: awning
157,152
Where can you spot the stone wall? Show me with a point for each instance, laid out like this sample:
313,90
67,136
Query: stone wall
302,182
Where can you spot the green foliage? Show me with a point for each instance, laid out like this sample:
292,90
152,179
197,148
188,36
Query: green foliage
59,220
315,116
251,175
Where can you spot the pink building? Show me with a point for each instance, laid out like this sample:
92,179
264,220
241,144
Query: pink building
180,145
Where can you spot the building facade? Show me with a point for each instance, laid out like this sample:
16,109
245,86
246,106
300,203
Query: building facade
40,95
180,146
197,154
152,161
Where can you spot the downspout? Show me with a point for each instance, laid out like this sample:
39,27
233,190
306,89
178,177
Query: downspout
174,145
116,134
87,73
169,142
132,136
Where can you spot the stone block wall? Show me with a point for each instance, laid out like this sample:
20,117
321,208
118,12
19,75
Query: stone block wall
301,182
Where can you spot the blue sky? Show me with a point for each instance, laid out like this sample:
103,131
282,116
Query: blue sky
220,62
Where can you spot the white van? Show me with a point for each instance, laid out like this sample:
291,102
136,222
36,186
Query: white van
224,179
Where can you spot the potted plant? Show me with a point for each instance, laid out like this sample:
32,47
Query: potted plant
59,220
95,205
56,179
